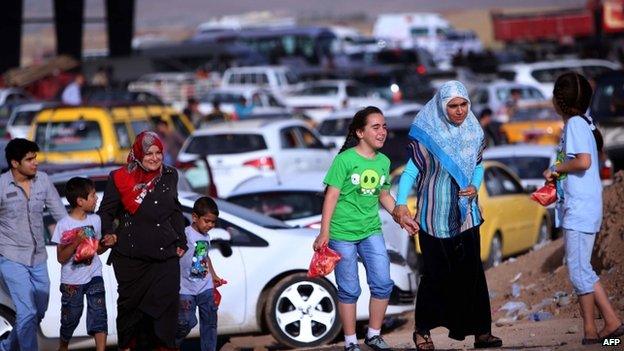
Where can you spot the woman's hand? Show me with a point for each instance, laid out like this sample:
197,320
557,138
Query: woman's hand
470,191
218,281
180,251
403,217
321,240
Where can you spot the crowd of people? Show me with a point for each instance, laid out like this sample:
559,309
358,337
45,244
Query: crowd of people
164,273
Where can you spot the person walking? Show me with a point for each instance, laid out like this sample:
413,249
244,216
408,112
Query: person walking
445,167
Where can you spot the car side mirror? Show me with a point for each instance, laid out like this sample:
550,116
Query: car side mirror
221,240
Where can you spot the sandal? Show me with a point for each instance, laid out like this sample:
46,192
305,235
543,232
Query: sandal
616,333
590,341
423,345
485,341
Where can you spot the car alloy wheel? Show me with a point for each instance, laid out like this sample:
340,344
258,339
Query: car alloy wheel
302,311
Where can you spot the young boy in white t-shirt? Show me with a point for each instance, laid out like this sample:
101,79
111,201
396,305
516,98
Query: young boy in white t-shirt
83,278
198,279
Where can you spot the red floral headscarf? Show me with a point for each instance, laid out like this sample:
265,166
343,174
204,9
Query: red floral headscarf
132,180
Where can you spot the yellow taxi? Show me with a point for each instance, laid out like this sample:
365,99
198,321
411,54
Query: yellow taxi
513,222
95,134
535,123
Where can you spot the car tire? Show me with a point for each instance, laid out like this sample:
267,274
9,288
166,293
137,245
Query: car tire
543,232
296,323
7,321
496,251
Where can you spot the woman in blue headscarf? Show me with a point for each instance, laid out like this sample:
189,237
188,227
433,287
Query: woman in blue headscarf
445,168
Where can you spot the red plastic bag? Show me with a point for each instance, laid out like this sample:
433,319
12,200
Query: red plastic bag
323,262
545,195
86,250
217,297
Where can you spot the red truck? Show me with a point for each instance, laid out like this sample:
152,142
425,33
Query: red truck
597,18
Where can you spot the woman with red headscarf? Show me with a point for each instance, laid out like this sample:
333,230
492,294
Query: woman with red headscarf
140,206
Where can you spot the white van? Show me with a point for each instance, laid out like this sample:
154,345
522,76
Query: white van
418,29
278,79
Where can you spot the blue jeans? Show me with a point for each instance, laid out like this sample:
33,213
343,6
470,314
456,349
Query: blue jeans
207,319
374,255
72,303
578,250
29,288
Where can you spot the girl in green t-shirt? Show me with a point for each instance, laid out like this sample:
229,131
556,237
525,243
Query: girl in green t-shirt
357,181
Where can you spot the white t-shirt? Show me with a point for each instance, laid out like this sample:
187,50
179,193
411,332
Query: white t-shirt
195,276
79,273
579,202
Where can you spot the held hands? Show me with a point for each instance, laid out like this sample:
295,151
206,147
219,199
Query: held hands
321,240
470,191
180,251
403,217
109,240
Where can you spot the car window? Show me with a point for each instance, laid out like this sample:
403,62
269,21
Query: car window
24,118
229,143
507,75
480,96
235,78
179,126
527,167
535,94
256,99
123,135
535,114
263,79
288,138
69,136
509,184
608,100
222,97
548,75
323,90
140,126
273,101
310,141
283,205
595,71
492,183
334,127
355,91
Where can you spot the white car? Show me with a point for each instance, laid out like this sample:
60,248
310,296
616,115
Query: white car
544,74
298,200
528,161
278,79
496,94
319,99
333,128
239,150
265,263
264,102
20,122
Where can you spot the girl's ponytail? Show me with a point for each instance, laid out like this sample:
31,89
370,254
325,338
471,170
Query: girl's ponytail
358,123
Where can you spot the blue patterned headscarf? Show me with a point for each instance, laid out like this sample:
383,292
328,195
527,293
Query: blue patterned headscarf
456,147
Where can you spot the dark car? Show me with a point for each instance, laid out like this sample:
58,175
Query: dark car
607,109
397,139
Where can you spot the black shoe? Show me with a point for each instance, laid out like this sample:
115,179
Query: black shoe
486,341
352,347
377,343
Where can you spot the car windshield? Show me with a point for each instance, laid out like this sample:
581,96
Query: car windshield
535,114
223,144
334,127
69,136
24,118
608,100
222,97
283,205
322,90
243,213
526,167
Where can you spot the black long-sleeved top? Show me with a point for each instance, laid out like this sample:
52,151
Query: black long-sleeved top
155,230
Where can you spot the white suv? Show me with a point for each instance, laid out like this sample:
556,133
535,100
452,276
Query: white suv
278,79
243,149
543,74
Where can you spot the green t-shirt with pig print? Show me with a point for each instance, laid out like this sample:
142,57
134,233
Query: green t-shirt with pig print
360,181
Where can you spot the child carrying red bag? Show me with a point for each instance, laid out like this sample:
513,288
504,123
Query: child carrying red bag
545,195
323,262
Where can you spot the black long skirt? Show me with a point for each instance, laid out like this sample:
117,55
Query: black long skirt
453,291
148,303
